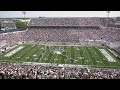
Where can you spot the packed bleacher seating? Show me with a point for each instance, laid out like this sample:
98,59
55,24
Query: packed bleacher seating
72,34
12,37
65,22
31,71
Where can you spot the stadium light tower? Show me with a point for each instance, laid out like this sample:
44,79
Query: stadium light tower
108,12
24,13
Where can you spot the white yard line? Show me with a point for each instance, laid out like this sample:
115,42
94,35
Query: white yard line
39,52
51,57
98,57
105,53
56,57
48,54
14,51
60,58
68,53
90,57
43,54
76,55
93,53
80,55
83,51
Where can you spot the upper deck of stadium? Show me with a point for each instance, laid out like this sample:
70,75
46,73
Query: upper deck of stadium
67,22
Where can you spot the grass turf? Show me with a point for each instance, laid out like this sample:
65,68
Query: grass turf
80,55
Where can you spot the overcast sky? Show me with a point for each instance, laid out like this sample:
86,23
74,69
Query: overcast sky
7,14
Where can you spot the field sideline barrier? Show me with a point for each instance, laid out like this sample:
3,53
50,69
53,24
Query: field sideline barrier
64,65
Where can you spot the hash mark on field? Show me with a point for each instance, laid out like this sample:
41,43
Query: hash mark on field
33,54
17,55
39,53
51,59
79,56
27,54
89,60
97,60
98,57
92,56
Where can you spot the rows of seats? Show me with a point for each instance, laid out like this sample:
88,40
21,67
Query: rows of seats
72,35
24,71
65,22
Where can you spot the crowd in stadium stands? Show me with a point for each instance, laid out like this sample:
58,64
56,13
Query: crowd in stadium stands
23,71
63,34
74,35
65,22
12,37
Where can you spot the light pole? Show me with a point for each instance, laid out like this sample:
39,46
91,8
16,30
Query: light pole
108,12
24,13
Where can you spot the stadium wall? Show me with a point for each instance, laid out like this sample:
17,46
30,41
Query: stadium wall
94,27
112,49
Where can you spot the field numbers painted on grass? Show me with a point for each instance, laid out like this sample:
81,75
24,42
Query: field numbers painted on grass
14,51
110,59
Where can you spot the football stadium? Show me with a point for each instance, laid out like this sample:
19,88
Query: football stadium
61,48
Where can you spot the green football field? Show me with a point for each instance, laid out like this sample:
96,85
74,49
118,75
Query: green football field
79,55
